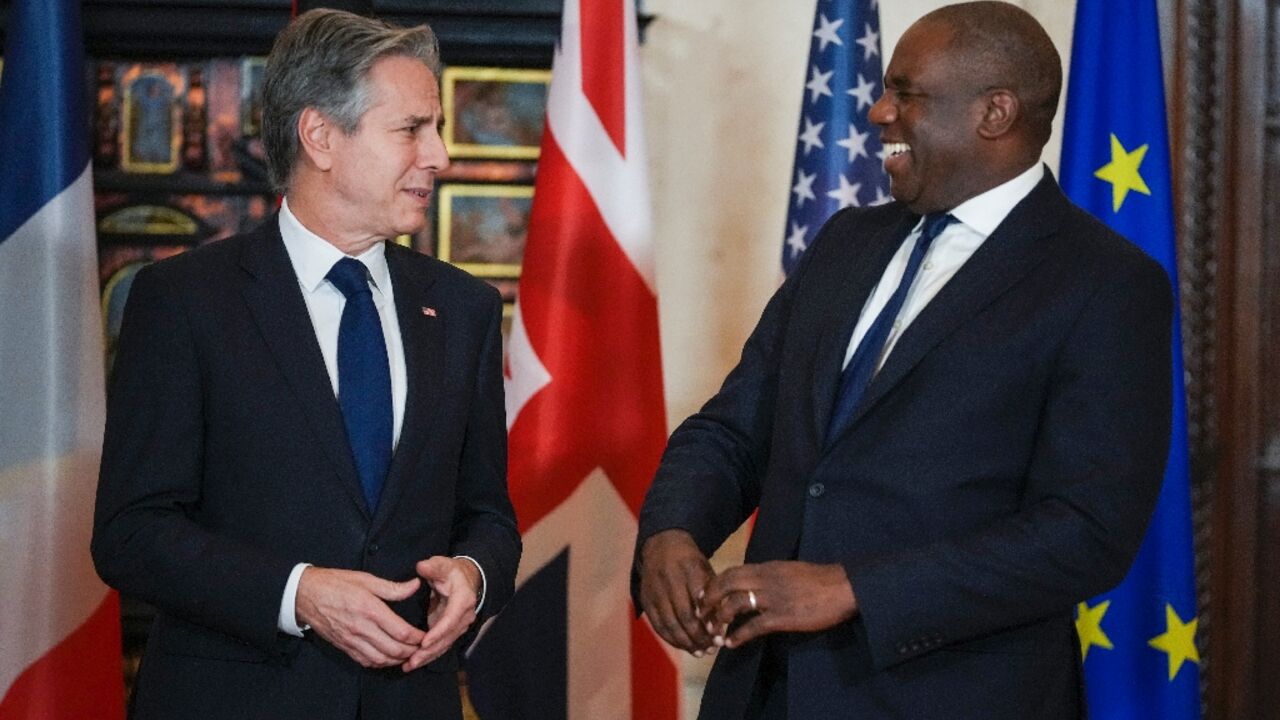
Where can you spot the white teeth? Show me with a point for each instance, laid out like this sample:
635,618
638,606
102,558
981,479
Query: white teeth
895,148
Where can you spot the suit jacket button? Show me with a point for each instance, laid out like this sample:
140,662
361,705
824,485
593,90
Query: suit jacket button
372,549
817,489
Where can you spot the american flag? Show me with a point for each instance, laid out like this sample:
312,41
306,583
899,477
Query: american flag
839,160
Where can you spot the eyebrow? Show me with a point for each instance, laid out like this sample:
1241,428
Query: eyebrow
419,119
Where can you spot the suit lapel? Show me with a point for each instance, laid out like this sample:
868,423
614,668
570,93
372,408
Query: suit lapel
1012,250
422,335
872,256
275,300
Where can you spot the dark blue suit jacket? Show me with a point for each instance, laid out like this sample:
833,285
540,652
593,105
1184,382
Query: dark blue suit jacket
226,462
1001,467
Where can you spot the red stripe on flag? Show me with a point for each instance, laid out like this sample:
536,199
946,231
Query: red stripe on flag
654,678
603,66
81,677
593,323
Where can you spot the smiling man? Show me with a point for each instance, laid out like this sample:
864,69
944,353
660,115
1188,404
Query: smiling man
304,467
952,418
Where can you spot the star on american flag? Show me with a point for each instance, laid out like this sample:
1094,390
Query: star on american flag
838,158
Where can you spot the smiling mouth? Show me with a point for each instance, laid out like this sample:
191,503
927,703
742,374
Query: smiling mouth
421,196
894,149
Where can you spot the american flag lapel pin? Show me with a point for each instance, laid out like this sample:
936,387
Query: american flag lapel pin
429,311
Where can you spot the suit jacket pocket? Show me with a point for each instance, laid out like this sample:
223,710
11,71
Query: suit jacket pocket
1046,637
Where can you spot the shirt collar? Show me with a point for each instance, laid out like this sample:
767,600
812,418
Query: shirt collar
985,212
313,256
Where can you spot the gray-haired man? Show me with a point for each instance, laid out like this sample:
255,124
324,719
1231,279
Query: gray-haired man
305,459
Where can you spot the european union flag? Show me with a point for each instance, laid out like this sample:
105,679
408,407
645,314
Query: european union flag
1138,641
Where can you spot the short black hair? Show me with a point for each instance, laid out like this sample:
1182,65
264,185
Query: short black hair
1007,48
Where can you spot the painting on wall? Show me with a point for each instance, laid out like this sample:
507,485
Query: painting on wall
482,228
152,109
494,112
199,120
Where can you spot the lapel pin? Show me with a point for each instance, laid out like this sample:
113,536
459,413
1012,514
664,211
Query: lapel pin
429,311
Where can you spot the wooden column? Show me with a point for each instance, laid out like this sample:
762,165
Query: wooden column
1227,159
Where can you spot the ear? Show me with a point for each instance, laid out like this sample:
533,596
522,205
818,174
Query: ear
315,138
1000,114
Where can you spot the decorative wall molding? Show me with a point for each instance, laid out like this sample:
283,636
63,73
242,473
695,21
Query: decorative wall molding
1228,92
1199,139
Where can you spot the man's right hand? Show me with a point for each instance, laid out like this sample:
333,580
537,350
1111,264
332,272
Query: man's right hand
673,573
349,609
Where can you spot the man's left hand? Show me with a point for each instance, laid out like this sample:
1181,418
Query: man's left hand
789,596
455,585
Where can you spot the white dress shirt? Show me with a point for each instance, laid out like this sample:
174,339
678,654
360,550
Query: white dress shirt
312,257
975,219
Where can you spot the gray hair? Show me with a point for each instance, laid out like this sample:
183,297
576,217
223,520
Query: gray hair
322,60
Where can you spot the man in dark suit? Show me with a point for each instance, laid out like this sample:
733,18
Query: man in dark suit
952,418
304,467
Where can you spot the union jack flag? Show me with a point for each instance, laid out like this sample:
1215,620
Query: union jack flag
585,411
839,160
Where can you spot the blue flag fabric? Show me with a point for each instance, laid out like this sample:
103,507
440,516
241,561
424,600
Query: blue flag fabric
839,161
60,626
37,108
1138,641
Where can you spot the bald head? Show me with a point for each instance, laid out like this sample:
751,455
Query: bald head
1003,46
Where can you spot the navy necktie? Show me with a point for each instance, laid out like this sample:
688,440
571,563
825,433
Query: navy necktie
364,378
862,366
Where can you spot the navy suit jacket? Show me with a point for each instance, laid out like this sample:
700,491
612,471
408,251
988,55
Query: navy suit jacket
1001,467
226,462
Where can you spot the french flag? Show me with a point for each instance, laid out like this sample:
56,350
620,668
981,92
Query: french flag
59,625
585,407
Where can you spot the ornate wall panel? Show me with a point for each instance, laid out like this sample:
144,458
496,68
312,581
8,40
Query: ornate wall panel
1198,139
1227,94
1264,56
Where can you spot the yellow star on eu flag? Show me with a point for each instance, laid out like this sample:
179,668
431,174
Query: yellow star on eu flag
1122,172
1089,627
1178,641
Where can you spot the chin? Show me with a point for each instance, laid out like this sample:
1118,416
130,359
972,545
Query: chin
410,227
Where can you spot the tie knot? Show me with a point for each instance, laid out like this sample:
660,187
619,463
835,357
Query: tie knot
350,277
934,224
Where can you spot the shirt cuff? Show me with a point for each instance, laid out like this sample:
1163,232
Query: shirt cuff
483,582
287,620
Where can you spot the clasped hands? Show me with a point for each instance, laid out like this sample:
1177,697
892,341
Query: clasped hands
349,609
698,611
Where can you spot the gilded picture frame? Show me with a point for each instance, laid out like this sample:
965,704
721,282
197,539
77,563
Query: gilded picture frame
151,126
482,228
494,112
252,69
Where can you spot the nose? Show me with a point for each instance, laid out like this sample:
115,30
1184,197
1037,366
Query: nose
882,111
432,154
